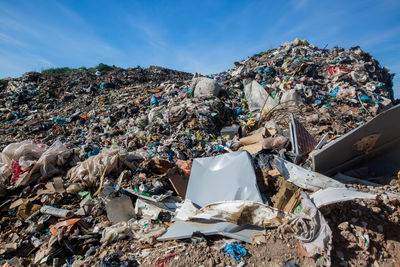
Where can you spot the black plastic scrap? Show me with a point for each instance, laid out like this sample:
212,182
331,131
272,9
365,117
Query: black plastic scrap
113,260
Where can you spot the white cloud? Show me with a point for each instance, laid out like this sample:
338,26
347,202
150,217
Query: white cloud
4,38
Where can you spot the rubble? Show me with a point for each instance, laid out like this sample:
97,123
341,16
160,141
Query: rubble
288,158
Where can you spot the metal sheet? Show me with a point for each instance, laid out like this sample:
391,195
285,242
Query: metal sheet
375,144
304,178
229,176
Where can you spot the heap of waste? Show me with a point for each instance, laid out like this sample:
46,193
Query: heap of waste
288,158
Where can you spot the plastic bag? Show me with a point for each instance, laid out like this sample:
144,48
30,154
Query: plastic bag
91,170
27,158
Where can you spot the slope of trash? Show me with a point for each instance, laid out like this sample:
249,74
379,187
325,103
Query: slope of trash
289,158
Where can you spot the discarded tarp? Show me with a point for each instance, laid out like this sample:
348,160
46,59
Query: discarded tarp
304,178
214,179
333,195
375,144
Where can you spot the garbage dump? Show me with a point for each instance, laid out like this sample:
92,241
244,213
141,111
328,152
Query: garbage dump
289,158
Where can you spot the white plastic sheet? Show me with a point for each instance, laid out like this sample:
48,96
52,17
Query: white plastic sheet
333,195
226,177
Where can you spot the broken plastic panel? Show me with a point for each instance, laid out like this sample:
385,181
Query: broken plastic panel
375,144
333,195
235,211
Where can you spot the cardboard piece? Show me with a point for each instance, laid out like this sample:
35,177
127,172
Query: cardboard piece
179,183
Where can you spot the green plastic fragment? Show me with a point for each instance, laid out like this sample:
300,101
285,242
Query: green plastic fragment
298,209
85,194
320,260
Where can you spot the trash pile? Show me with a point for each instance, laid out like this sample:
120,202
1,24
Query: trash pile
289,158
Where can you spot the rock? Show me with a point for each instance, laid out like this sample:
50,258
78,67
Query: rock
340,254
343,226
376,209
74,188
204,87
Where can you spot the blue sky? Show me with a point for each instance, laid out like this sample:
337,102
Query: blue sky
194,36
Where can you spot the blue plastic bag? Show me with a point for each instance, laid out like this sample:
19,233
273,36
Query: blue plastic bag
171,155
95,151
365,98
334,91
236,251
153,101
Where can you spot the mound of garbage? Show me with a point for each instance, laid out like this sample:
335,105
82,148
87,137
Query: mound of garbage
289,158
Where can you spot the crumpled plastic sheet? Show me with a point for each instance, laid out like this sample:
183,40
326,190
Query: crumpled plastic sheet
56,155
312,230
236,251
257,97
33,159
235,211
94,168
143,231
25,153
